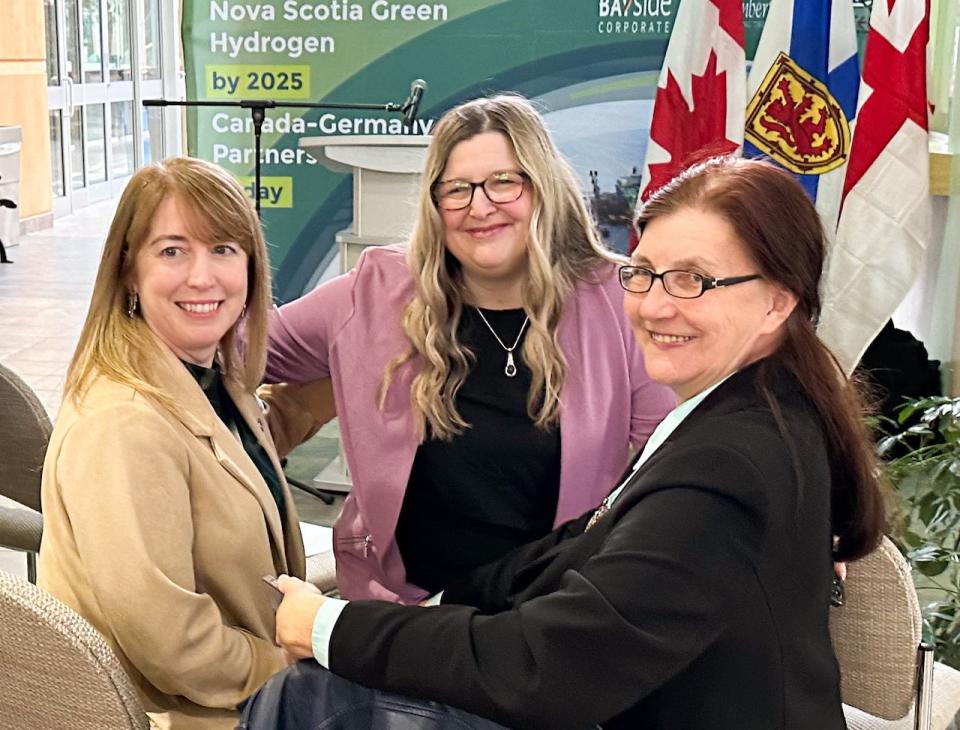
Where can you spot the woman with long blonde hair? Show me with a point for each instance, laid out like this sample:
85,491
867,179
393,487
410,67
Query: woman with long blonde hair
163,498
479,371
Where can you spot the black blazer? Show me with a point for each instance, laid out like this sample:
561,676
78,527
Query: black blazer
699,601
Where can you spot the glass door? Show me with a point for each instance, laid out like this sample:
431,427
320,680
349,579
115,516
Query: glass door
103,58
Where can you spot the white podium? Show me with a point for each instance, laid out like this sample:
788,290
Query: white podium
386,182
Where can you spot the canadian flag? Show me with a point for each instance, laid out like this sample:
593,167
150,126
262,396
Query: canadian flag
884,221
701,95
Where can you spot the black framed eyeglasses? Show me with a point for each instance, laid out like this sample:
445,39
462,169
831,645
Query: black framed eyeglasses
500,187
676,282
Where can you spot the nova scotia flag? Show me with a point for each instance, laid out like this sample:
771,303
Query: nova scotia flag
802,93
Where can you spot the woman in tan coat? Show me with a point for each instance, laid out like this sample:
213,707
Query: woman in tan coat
163,498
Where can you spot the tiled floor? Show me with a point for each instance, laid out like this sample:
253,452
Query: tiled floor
43,301
44,296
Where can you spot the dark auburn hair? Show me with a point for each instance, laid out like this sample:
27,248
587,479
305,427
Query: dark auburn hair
773,217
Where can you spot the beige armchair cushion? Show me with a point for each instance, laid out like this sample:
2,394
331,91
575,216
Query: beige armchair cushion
56,671
946,705
322,571
876,634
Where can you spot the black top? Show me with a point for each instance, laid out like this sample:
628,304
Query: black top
700,600
210,381
492,488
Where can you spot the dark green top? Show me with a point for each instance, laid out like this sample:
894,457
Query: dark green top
210,381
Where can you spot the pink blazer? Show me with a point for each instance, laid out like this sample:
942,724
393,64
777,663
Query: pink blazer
349,329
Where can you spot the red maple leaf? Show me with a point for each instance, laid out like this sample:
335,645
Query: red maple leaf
688,133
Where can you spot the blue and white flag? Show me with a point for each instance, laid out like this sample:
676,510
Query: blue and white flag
802,93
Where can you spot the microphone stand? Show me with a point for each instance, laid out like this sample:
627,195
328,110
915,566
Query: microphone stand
258,109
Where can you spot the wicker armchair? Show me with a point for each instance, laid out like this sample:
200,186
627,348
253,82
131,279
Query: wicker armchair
24,432
889,680
56,671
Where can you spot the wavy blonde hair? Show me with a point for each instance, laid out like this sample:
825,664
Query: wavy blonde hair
120,346
563,246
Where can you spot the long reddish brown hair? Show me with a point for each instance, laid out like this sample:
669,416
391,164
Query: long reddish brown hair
775,220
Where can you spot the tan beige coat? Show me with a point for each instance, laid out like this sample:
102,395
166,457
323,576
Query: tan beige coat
158,528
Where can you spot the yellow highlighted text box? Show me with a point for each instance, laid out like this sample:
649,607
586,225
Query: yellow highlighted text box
257,81
275,192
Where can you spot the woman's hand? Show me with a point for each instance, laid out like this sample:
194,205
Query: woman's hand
295,616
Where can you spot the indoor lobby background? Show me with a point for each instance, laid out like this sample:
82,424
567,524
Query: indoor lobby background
84,133
79,147
73,75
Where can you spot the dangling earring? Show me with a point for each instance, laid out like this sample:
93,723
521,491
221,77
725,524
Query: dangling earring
132,302
243,311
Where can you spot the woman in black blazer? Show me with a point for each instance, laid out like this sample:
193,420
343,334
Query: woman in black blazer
697,595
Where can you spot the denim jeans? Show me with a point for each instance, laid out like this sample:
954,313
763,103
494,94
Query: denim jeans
306,696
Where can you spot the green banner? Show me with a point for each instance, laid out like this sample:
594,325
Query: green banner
592,65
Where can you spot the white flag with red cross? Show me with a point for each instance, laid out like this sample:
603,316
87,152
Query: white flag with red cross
884,224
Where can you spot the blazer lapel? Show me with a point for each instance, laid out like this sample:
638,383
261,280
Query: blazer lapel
232,457
198,416
738,392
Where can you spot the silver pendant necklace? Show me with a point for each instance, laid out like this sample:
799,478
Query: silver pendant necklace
511,369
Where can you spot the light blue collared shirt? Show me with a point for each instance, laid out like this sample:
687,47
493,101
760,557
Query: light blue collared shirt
661,433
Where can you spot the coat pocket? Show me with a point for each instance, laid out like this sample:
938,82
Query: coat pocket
359,545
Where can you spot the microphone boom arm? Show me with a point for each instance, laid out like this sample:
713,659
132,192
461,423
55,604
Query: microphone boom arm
258,109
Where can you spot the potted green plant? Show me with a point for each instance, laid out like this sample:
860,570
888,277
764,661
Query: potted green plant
923,464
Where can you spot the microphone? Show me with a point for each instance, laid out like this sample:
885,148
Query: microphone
412,104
